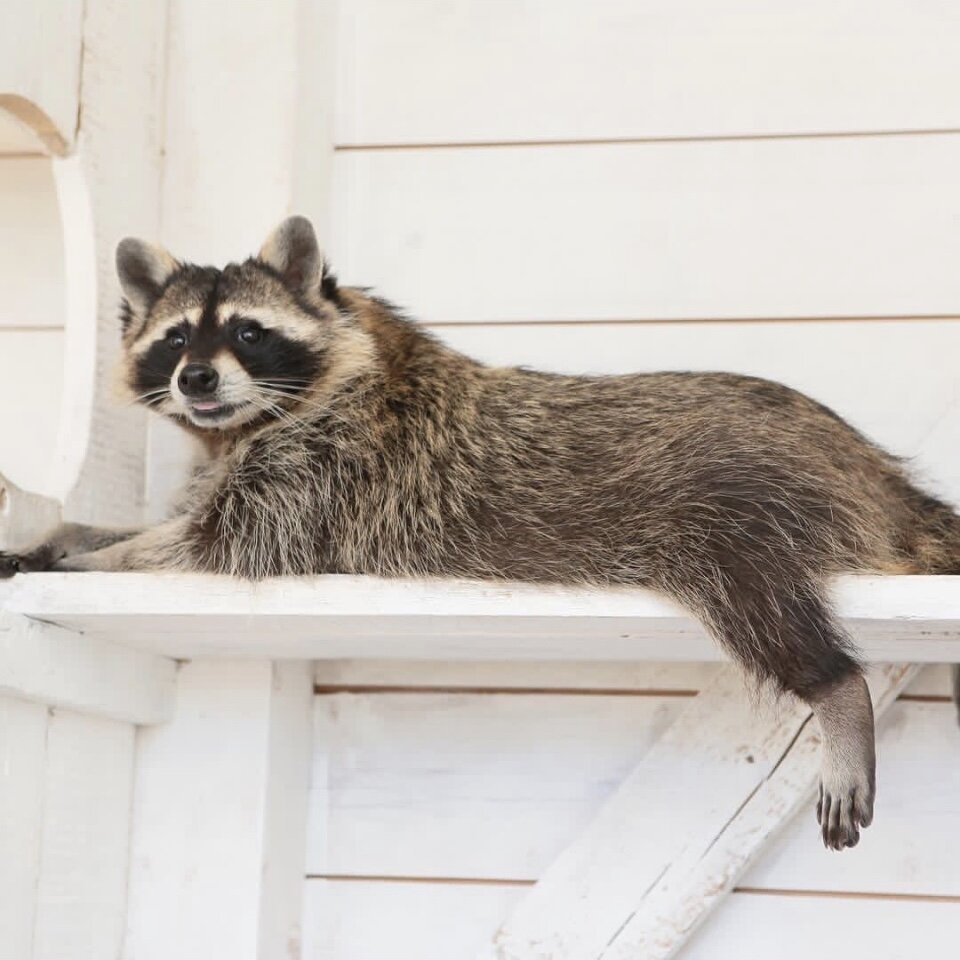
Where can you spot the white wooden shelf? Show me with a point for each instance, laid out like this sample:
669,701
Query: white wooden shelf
914,619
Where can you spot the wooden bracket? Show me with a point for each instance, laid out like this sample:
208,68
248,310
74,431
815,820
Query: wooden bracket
669,845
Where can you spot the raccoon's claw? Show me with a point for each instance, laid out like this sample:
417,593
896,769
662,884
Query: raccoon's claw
841,813
9,565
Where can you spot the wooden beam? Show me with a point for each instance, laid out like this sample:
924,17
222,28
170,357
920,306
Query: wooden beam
670,843
894,619
82,886
23,747
220,816
50,665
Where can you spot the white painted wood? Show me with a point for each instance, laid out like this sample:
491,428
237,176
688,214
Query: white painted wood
50,665
316,107
119,146
25,518
932,681
397,921
80,370
219,829
357,920
885,377
911,848
23,740
468,785
232,95
494,786
665,848
793,928
775,228
585,675
431,71
40,51
693,885
82,890
32,265
893,618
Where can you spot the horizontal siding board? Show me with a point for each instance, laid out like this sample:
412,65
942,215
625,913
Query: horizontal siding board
910,848
750,927
402,921
468,785
567,69
745,229
473,786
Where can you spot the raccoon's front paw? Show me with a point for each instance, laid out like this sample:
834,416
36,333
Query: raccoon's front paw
9,565
845,805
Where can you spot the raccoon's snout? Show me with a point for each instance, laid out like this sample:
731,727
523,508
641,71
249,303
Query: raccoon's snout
198,380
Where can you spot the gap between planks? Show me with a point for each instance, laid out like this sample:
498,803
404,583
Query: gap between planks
679,321
516,882
333,689
626,141
442,690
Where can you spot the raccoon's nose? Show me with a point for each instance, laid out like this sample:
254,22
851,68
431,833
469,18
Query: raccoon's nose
198,380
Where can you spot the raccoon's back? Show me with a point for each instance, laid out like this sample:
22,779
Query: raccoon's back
614,478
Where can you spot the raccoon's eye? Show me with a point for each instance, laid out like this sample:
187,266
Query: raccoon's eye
250,333
176,339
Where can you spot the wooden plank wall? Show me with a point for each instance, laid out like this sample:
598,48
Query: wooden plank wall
608,186
32,310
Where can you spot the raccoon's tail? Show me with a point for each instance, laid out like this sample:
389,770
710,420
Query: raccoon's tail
933,535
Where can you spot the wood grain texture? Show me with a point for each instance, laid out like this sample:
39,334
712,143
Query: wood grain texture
893,619
23,746
493,786
219,825
50,665
397,921
120,153
695,884
657,818
82,890
468,785
565,69
738,229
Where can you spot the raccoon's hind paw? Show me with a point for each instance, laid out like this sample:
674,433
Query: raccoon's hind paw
842,809
9,565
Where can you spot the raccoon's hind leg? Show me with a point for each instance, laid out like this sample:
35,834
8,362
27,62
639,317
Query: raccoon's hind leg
68,540
788,635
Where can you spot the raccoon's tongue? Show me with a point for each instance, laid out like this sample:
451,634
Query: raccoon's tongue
207,406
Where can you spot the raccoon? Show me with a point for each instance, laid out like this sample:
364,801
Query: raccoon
343,438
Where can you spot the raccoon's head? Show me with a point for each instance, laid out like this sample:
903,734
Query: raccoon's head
237,347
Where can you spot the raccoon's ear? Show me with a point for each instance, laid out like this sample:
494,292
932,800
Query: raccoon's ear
143,269
293,252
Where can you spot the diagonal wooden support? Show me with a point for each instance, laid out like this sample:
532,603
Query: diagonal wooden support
669,845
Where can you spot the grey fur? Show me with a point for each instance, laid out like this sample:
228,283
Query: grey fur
736,496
